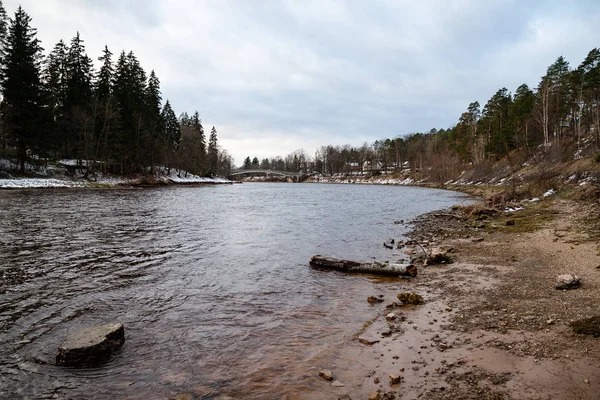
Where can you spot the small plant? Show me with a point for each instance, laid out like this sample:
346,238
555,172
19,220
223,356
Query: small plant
597,158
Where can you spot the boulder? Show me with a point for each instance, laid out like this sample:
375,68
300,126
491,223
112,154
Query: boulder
91,346
395,379
566,282
410,298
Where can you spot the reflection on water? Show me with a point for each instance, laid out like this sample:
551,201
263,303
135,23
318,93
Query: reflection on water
211,283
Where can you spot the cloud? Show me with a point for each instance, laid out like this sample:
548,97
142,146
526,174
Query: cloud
277,75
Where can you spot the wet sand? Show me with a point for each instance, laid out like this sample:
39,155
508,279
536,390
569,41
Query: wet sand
492,326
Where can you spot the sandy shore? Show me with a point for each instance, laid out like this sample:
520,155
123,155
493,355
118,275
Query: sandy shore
493,326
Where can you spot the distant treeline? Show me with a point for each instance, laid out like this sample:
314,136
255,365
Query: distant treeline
57,106
559,120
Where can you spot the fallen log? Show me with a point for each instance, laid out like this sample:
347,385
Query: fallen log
376,268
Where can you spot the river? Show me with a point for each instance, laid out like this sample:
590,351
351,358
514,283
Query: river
212,284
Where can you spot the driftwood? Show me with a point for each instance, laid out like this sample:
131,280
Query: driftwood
377,268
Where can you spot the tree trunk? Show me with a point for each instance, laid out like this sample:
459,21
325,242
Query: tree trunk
377,268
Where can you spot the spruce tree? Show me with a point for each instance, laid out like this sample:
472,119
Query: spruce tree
153,118
104,108
171,133
79,127
199,143
55,81
22,111
213,153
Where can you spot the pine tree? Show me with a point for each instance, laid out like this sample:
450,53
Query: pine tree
171,132
55,81
104,108
153,117
199,143
23,113
213,153
247,163
79,128
172,129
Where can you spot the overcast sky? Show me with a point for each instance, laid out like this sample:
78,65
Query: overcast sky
277,75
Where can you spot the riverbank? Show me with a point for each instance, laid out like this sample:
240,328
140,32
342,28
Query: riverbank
493,326
108,181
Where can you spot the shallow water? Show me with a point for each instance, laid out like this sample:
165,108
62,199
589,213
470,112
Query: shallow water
212,283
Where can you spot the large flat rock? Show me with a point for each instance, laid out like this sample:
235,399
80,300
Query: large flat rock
91,346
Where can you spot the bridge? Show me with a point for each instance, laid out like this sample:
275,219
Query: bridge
267,172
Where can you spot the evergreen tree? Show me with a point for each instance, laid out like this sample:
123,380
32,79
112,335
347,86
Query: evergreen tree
521,115
247,163
22,111
172,129
79,127
104,108
199,142
213,153
255,163
153,117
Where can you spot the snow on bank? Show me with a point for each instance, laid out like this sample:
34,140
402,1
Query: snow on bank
190,178
22,183
366,181
38,183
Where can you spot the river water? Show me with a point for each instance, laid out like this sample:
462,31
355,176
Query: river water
212,284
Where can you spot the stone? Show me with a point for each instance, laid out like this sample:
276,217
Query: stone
367,341
337,384
91,346
394,379
375,396
410,298
373,299
389,244
326,374
376,380
477,240
586,381
389,396
439,256
386,332
566,282
391,316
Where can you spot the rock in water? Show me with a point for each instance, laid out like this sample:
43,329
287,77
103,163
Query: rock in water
90,346
389,244
565,282
410,298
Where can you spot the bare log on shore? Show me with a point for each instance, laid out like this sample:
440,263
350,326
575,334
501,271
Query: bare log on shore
377,268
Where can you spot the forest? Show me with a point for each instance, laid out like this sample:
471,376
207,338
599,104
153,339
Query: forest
111,119
558,120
